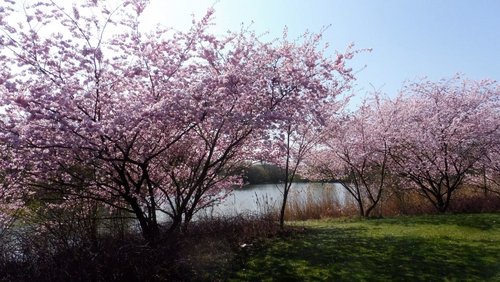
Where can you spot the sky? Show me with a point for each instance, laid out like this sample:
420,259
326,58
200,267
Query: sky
410,40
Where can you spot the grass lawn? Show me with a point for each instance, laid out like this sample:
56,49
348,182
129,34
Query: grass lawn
463,247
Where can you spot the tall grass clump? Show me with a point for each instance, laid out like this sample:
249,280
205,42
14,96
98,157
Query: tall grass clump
327,202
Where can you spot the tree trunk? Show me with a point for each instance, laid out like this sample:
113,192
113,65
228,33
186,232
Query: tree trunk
150,229
441,205
361,208
283,206
151,233
176,223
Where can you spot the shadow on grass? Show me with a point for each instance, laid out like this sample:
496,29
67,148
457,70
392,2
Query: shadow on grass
331,254
482,221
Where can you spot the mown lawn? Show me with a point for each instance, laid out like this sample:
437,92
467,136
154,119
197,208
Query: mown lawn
423,248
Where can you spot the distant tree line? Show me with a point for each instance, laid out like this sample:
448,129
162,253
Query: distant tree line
266,174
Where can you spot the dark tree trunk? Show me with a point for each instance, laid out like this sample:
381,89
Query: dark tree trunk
361,208
283,205
149,228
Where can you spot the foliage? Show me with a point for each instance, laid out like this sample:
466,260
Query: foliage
263,174
444,130
98,118
355,153
205,253
434,137
153,122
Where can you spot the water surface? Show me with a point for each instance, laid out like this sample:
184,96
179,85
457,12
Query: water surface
258,199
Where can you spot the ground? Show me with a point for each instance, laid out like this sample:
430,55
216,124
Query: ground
462,247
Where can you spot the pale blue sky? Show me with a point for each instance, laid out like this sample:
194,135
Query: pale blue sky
410,39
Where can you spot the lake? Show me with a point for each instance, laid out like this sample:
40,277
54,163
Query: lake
257,199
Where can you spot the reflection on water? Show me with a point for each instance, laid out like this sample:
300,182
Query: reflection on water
261,198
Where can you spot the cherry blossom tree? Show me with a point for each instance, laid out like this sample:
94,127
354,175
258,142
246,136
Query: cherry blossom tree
146,122
354,152
90,116
488,168
291,150
444,129
485,174
320,88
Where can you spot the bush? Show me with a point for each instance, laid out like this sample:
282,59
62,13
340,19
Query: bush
204,252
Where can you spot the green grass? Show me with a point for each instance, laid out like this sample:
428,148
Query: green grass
422,248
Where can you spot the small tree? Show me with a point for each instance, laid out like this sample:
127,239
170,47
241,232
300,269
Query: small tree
319,87
291,152
354,153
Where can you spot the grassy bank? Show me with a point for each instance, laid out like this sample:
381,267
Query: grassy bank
462,247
